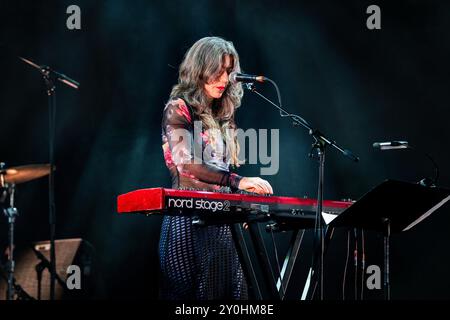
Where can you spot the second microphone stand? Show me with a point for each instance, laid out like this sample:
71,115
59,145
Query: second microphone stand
50,76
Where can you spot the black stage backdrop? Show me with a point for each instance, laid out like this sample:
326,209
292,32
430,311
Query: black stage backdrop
357,85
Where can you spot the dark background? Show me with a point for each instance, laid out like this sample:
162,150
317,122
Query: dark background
357,85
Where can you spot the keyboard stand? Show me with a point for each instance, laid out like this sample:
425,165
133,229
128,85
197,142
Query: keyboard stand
267,286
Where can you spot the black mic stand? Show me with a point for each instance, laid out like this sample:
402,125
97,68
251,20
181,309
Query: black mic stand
50,76
425,182
320,143
10,211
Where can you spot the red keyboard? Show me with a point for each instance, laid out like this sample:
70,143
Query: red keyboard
188,202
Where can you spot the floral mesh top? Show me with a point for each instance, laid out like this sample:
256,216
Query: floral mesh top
193,159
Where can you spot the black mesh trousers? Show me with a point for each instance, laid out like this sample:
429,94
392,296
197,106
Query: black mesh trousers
199,263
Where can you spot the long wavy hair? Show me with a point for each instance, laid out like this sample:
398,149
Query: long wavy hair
202,64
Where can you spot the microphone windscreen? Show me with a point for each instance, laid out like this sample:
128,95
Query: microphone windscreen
232,77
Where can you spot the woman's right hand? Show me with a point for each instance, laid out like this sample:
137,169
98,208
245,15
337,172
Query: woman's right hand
255,185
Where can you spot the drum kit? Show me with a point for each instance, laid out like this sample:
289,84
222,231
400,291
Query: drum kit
9,178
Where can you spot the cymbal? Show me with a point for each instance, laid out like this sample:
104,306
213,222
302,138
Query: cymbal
26,173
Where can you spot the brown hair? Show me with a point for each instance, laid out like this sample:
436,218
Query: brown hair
202,63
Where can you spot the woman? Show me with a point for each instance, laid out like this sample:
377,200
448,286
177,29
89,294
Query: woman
201,262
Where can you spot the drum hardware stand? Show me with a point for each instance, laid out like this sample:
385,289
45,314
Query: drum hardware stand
18,290
11,213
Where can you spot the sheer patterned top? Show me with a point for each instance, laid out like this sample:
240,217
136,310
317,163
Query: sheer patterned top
194,159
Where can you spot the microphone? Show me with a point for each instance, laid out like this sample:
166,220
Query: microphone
242,77
390,145
46,71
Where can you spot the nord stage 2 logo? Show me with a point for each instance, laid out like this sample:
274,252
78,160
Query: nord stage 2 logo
199,204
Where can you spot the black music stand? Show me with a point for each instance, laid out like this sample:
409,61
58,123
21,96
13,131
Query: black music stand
392,206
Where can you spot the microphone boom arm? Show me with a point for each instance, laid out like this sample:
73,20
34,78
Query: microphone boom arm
299,121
